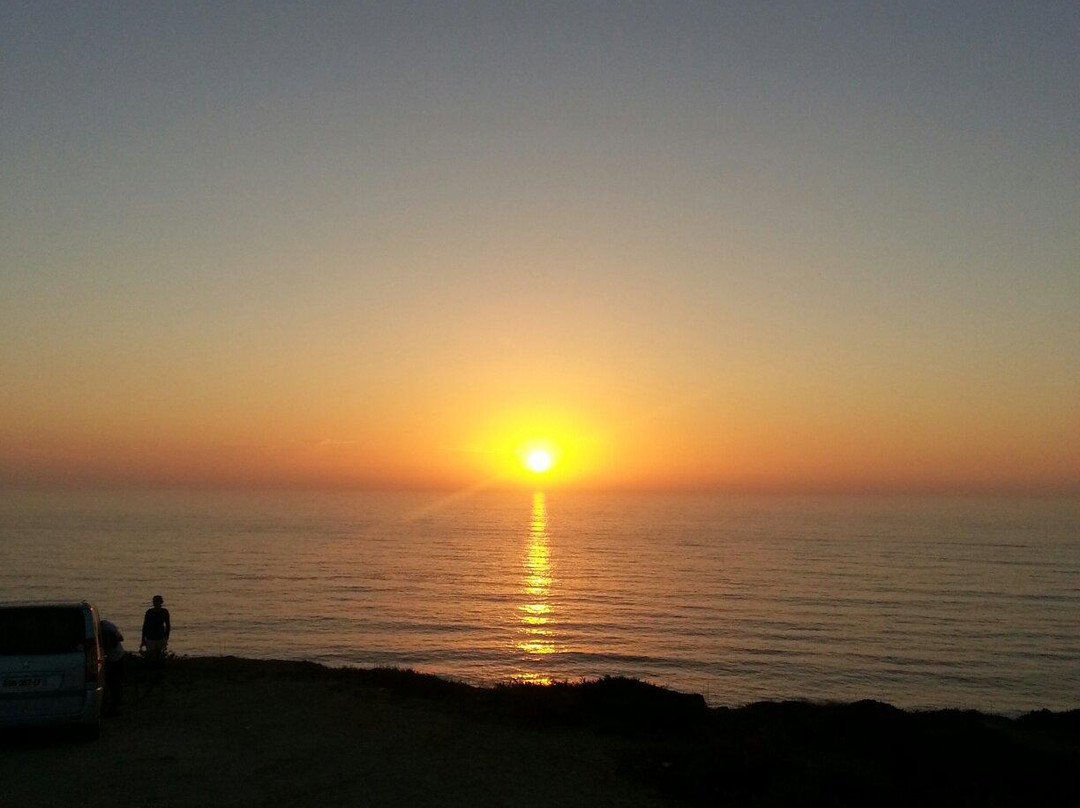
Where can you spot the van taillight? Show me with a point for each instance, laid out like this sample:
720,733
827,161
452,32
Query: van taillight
93,660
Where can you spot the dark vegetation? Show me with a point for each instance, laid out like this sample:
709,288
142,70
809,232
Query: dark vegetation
765,754
868,753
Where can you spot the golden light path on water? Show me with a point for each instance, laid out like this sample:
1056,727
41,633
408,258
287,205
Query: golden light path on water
537,618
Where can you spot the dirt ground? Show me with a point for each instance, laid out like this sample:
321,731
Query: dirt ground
267,734
258,733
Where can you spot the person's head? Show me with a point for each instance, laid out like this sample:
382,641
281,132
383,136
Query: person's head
158,601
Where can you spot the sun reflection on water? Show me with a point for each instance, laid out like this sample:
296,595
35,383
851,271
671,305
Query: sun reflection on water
536,613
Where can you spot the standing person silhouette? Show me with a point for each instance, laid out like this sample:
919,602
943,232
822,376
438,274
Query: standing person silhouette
155,631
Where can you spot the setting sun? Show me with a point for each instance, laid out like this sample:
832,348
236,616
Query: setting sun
538,460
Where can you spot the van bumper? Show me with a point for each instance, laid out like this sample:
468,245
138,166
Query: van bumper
81,707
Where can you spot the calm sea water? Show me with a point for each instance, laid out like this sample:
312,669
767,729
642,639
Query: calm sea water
922,602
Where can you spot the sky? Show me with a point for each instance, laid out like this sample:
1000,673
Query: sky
812,246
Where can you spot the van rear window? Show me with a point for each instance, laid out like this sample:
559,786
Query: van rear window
41,630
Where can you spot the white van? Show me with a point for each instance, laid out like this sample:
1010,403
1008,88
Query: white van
51,665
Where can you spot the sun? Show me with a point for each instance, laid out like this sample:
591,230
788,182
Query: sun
538,460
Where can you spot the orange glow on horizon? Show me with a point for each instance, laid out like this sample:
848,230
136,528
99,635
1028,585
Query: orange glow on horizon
615,441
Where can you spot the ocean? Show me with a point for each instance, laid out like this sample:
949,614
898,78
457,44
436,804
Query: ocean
923,602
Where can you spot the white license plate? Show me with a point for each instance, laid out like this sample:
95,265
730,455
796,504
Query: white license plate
19,683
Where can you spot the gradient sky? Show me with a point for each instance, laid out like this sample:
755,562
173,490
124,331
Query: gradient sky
817,245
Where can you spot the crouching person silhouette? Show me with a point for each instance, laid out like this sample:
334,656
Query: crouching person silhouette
113,642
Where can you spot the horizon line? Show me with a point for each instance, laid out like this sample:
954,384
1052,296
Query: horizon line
1065,490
